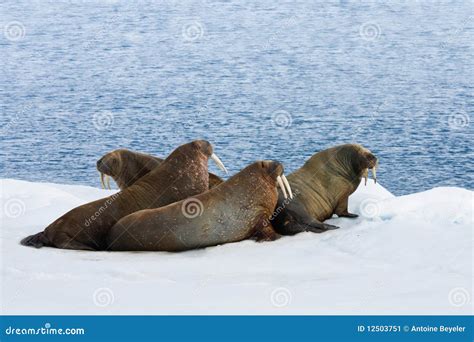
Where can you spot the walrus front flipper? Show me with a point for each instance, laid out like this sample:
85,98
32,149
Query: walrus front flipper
264,231
291,223
36,240
294,227
342,211
348,215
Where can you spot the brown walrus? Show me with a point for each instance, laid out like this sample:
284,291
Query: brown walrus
235,210
182,174
126,167
322,188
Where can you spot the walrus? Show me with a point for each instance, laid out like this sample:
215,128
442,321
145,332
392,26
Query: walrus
235,210
126,167
182,174
322,187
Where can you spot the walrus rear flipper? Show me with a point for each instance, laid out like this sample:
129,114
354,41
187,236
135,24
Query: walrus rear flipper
37,240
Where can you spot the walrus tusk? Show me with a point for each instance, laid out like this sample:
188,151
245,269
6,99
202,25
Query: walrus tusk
374,173
282,186
102,180
107,181
287,185
365,174
219,163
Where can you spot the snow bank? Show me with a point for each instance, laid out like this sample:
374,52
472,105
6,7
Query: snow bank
403,255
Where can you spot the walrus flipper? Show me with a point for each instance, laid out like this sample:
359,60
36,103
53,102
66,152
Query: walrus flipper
294,223
264,231
348,215
342,211
314,227
36,240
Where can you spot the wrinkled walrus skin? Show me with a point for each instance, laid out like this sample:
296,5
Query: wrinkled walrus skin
322,187
126,167
235,210
184,173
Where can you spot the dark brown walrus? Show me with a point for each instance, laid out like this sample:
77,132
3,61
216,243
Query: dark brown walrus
184,173
235,210
126,167
322,188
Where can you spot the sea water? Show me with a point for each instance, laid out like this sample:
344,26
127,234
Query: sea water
259,79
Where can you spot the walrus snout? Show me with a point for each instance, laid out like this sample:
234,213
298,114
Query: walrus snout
101,165
371,160
105,166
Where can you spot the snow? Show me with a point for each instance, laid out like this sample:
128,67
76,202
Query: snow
403,255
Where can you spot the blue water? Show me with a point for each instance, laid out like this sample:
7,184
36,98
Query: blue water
260,80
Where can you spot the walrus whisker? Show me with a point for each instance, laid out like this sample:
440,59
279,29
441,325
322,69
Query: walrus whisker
102,180
287,185
219,163
282,187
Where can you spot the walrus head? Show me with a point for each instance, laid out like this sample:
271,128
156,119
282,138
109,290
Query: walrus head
359,159
125,167
273,171
206,148
193,151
